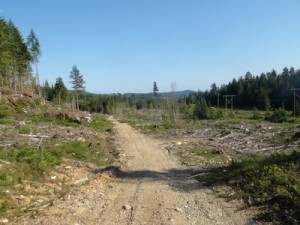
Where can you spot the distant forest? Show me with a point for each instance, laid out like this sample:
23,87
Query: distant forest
269,90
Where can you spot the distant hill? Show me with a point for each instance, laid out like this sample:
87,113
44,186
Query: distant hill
150,95
176,94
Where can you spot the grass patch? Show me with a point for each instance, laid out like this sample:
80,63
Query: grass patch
22,164
210,156
7,121
5,110
25,129
101,123
26,162
83,151
272,182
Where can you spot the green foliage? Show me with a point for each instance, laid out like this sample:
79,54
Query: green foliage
80,150
168,122
60,91
267,104
205,155
230,114
24,130
77,79
77,83
155,89
201,110
255,114
14,57
187,111
278,116
7,121
33,44
264,91
106,104
37,161
31,162
101,123
28,163
5,110
216,114
270,181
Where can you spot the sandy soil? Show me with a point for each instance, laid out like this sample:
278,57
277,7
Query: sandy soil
152,187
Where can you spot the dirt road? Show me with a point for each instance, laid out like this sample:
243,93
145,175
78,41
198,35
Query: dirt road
151,188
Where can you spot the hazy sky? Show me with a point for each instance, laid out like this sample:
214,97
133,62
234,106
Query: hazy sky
126,45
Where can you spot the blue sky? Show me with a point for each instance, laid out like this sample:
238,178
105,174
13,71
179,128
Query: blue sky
125,45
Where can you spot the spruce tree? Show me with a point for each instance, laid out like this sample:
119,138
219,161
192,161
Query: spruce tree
60,90
201,110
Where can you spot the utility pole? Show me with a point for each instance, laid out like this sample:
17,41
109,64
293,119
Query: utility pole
228,100
296,96
218,100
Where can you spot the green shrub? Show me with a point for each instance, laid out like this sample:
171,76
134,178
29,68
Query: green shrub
187,111
24,129
8,121
278,116
101,123
270,181
5,110
201,110
81,151
216,114
34,160
255,114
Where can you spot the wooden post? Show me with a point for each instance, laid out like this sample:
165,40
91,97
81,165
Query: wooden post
296,96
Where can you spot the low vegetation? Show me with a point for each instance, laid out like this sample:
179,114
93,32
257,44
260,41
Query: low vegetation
223,149
36,140
270,182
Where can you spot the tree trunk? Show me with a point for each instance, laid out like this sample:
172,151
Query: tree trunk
59,98
37,79
77,104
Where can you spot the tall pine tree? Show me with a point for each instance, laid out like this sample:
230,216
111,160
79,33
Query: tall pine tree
77,83
35,52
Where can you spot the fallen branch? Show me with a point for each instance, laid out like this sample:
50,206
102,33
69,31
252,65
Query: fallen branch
81,181
35,136
8,145
196,175
5,162
40,144
39,208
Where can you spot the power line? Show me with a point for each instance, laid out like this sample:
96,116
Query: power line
296,95
228,100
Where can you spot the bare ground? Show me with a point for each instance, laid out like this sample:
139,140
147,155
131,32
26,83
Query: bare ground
151,187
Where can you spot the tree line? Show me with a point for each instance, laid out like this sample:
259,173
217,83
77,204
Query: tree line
269,90
16,57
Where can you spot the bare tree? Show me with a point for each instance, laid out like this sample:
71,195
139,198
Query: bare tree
174,87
